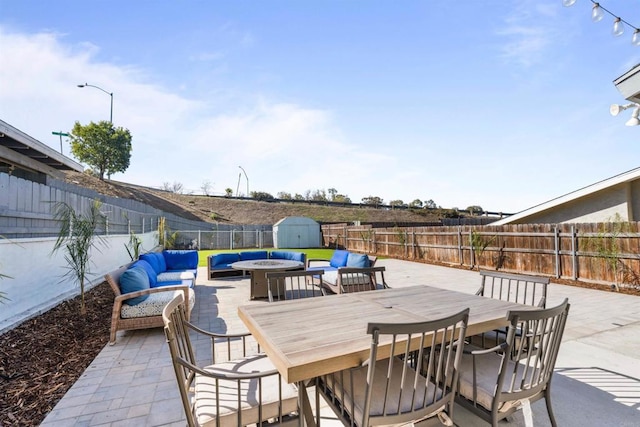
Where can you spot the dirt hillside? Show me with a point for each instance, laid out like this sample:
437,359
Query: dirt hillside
232,211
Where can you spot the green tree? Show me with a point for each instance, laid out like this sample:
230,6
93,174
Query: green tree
100,145
77,237
430,204
341,198
475,210
261,195
284,195
372,200
228,192
396,203
417,203
332,193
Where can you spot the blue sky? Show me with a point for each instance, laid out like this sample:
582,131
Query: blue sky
502,104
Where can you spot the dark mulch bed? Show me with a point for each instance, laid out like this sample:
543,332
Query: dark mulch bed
42,358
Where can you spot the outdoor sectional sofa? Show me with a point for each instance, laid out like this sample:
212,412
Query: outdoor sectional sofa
219,265
142,288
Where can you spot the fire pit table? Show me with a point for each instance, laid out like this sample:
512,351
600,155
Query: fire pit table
259,269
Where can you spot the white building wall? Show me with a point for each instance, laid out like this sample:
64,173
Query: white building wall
36,279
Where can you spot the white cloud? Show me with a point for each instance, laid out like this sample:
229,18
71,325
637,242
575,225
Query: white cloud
529,31
282,146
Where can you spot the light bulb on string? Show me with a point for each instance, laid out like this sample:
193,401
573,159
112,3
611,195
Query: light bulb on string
635,39
568,3
618,27
596,13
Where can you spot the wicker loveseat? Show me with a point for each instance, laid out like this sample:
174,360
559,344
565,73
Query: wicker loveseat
141,293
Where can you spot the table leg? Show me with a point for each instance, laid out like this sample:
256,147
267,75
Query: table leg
306,413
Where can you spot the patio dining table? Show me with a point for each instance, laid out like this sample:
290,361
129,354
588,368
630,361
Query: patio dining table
328,334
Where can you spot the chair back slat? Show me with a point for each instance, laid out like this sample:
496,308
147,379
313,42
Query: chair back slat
232,391
358,279
519,288
411,373
286,285
534,338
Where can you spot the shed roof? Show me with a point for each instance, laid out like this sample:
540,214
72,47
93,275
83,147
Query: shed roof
296,220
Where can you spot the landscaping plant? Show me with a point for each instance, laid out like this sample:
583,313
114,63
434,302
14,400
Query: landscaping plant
77,237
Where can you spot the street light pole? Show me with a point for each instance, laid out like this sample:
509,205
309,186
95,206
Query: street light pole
247,178
108,93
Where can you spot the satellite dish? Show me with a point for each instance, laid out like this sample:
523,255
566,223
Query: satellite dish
615,109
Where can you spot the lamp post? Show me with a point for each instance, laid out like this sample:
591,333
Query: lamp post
108,93
61,135
246,177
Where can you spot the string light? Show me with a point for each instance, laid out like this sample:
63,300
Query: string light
597,14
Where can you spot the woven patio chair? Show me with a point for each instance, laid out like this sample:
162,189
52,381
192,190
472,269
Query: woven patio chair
493,384
230,391
416,384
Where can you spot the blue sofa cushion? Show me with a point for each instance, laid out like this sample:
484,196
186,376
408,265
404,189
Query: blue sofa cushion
132,280
180,260
251,255
292,256
156,259
357,260
224,259
151,273
339,259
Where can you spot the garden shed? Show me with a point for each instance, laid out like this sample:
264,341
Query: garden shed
296,232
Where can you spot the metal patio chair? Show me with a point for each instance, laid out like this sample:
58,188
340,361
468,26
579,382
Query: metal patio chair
519,288
416,384
493,384
286,285
230,391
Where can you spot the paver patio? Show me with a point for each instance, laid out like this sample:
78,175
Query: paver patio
597,381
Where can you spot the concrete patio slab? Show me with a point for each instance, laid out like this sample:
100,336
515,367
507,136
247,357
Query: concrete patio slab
597,381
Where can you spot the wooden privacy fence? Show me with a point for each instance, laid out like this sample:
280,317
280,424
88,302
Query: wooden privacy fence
605,253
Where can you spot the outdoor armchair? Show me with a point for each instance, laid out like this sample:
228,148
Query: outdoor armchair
417,382
493,384
232,391
293,284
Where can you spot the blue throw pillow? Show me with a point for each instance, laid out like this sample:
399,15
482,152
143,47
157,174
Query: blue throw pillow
180,260
151,273
339,259
132,280
357,260
293,256
251,255
224,259
156,260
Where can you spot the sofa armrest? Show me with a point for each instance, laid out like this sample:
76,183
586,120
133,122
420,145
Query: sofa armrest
316,260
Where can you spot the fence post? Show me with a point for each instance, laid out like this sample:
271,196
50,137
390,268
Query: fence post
199,240
232,235
460,254
129,225
143,218
471,251
556,243
574,252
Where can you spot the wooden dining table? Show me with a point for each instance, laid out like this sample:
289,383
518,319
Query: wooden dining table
307,338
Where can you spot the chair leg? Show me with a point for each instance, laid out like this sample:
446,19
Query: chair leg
547,400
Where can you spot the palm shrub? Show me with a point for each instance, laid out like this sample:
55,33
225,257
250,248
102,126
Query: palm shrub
77,237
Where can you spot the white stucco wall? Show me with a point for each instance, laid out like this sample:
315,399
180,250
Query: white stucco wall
36,279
